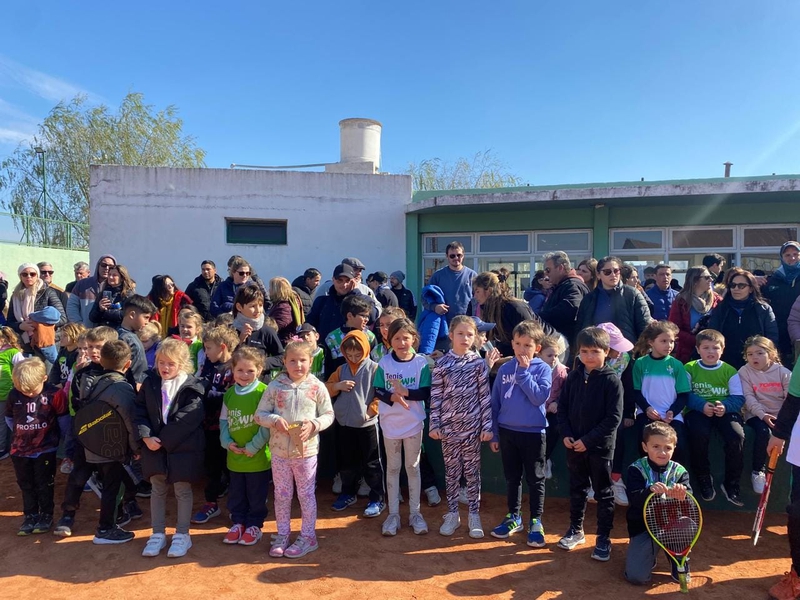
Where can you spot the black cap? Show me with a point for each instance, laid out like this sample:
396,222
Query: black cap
306,327
345,270
354,262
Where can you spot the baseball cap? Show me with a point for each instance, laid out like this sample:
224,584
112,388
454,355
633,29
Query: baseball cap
790,244
306,327
618,341
344,270
483,326
354,262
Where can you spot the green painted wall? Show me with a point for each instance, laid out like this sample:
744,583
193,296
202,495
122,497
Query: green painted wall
13,255
521,220
679,216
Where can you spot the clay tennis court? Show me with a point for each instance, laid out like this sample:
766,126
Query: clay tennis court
354,561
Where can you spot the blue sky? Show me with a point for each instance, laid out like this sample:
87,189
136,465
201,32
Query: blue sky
563,92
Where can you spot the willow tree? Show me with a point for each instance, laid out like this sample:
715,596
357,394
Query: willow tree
47,178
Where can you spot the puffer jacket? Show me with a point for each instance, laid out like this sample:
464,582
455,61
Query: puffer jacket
631,314
44,297
681,314
757,318
561,307
432,327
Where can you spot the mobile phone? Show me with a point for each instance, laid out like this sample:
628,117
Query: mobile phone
108,295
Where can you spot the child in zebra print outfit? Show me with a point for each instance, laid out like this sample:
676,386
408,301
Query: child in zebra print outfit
461,416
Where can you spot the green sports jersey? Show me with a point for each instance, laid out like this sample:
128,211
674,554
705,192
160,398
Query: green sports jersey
660,380
238,412
714,384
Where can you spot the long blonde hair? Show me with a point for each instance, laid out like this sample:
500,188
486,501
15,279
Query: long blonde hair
177,351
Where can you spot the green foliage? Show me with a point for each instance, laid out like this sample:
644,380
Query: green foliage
75,135
483,170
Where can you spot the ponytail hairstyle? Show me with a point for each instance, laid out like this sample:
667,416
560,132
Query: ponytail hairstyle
9,337
650,333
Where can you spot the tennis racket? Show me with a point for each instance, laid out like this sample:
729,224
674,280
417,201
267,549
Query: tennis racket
675,526
762,504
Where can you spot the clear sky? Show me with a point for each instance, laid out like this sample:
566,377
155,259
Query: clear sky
563,92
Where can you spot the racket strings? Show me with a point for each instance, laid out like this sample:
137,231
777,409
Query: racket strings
674,523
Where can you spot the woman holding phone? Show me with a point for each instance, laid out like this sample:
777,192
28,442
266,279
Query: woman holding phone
113,292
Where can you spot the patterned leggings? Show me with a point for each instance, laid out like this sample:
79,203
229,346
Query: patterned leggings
301,472
462,456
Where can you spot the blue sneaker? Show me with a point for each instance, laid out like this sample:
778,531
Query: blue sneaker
511,524
602,549
374,509
536,534
343,501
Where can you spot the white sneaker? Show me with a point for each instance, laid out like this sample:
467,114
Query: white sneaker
418,524
363,489
391,525
452,521
433,496
548,469
758,480
475,527
155,544
620,492
181,542
462,496
337,484
590,496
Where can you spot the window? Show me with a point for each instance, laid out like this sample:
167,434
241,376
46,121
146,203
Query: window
637,240
760,237
566,241
714,239
255,231
436,244
513,242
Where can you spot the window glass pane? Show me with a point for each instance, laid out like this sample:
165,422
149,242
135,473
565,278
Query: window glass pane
637,240
435,244
430,265
755,262
702,238
504,243
566,241
768,236
520,272
253,231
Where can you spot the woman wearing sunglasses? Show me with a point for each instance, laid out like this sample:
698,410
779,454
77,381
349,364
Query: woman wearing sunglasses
741,314
239,273
691,310
613,302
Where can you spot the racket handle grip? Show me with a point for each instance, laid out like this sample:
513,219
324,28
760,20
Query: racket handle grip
773,459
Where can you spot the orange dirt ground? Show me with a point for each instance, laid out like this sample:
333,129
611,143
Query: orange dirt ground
354,561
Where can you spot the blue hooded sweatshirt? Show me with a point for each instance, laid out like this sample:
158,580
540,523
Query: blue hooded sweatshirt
518,397
432,327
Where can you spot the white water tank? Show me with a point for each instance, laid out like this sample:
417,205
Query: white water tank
360,141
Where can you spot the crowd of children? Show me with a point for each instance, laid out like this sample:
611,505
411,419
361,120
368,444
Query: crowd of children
227,403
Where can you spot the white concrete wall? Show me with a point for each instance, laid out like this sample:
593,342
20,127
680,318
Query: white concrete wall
164,220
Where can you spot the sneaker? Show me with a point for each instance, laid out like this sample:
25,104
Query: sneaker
302,546
590,496
234,534
278,545
95,485
434,499
759,480
343,501
123,517
676,578
620,492
155,544
417,524
115,535
731,493
4,454
462,496
374,509
337,484
144,489
133,509
511,524
28,523
787,588
66,466
181,542
573,537
451,522
363,489
43,524
548,469
87,488
64,526
707,491
475,526
602,548
251,536
536,534
391,525
208,511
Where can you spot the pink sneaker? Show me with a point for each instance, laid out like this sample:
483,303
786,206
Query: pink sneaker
302,546
279,545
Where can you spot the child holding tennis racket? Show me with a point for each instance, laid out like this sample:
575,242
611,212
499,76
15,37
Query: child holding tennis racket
655,473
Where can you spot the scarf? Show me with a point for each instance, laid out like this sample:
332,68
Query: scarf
702,304
298,315
789,272
241,390
240,321
739,305
169,388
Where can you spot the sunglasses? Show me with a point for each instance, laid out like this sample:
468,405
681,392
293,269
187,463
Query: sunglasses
107,265
739,286
456,256
27,274
243,273
46,272
608,272
707,277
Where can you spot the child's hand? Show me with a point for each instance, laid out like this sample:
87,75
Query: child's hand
397,399
677,491
234,447
153,443
486,436
345,386
553,408
579,446
492,356
247,452
569,442
652,414
247,330
435,434
282,425
719,409
306,430
769,420
668,417
398,388
708,409
494,446
627,423
524,361
659,488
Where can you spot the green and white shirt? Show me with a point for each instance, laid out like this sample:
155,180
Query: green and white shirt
660,381
395,421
